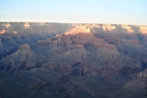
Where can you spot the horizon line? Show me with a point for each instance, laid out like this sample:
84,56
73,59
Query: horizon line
70,22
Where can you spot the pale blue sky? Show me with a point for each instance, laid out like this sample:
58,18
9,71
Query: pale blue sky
75,11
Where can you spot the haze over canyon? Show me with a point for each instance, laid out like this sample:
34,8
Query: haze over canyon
72,60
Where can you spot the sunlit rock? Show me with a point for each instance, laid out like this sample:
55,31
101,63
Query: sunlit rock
143,29
98,26
78,29
128,28
26,25
15,32
2,31
6,25
108,27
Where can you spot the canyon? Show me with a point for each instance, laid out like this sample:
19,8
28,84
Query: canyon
65,60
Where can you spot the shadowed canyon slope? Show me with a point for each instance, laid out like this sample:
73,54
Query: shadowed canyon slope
87,55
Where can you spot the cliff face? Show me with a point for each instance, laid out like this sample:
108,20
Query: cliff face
78,29
143,29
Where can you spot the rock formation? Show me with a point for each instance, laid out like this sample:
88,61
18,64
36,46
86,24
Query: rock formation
27,25
72,60
2,31
78,29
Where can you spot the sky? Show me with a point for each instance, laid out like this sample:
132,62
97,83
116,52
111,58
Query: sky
75,11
